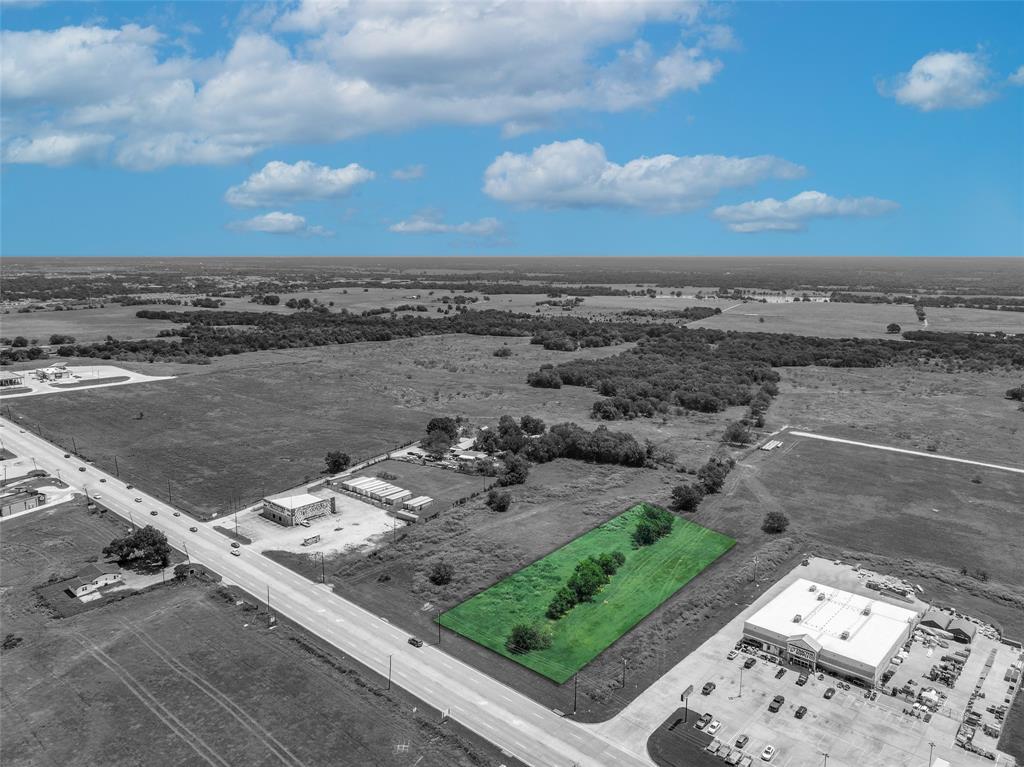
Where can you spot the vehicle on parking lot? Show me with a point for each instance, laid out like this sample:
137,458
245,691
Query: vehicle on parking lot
234,544
713,746
723,751
236,553
153,513
776,703
708,688
714,727
741,741
769,753
800,712
732,654
749,662
746,760
704,721
802,679
415,642
780,673
830,692
193,529
874,695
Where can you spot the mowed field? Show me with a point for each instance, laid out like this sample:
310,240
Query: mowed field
649,576
841,320
182,675
950,514
245,426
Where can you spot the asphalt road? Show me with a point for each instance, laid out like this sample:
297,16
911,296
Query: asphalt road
511,721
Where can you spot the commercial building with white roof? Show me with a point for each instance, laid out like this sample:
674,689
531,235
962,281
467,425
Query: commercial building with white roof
293,509
821,627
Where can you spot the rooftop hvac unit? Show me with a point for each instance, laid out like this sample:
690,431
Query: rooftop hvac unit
797,618
821,597
845,635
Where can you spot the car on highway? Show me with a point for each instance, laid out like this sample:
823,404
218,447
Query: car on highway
96,496
234,544
799,714
153,513
193,529
830,692
415,642
714,727
776,703
769,753
749,662
236,553
138,500
103,479
177,513
129,487
81,468
741,741
708,688
67,455
732,654
780,673
704,721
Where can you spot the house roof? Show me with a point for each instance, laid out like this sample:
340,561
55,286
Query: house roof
92,571
862,629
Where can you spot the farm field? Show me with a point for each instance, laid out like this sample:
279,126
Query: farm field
211,677
242,427
841,320
649,576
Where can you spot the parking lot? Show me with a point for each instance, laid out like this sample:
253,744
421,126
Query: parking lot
854,730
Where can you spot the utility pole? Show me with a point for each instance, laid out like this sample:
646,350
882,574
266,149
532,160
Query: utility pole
741,683
825,754
438,628
389,672
169,492
117,471
186,553
268,604
931,750
323,569
131,517
754,574
575,688
623,672
74,445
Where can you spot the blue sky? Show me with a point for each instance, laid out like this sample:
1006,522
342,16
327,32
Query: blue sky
528,129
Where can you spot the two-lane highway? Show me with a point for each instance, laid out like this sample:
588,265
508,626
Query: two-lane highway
511,721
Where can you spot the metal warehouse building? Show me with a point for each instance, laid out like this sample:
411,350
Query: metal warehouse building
824,628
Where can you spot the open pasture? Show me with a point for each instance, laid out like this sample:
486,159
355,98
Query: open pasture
649,576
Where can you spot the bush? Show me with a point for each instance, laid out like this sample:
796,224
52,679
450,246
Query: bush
686,497
514,472
545,379
441,573
1016,393
738,433
775,522
499,501
525,638
337,461
504,351
564,601
654,524
587,580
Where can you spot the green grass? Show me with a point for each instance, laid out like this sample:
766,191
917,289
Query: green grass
649,576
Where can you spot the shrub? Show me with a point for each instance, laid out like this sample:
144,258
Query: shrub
737,432
441,573
524,638
563,602
504,351
775,522
654,523
686,497
514,472
499,501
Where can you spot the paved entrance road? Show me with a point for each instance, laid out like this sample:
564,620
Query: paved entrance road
511,721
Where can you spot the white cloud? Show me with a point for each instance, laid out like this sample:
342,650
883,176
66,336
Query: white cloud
278,222
57,148
427,223
793,214
346,69
279,183
578,174
410,173
943,80
1017,78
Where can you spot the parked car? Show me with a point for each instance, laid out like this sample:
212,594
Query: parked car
81,468
129,487
769,753
415,642
830,692
734,756
776,703
193,529
153,513
714,727
732,654
713,746
746,760
708,688
874,695
800,712
780,673
749,662
802,679
742,741
67,455
704,721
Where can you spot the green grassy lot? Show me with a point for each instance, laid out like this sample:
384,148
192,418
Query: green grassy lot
649,576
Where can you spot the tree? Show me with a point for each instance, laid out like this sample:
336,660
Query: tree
532,425
737,432
893,327
499,501
712,474
337,461
445,425
442,433
775,522
654,523
19,342
510,434
441,573
610,562
525,638
1016,393
147,544
503,351
58,339
270,300
564,600
587,580
514,471
686,497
